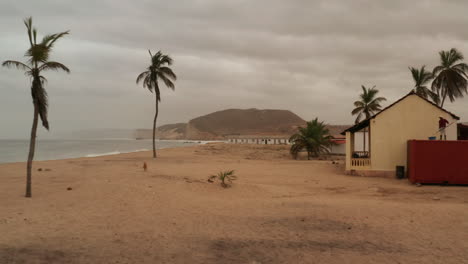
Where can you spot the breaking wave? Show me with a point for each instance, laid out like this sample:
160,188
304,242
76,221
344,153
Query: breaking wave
112,153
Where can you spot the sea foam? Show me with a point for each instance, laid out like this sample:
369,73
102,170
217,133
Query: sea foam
113,153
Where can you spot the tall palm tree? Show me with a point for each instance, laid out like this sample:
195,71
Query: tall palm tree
421,78
38,62
367,105
315,138
158,70
450,77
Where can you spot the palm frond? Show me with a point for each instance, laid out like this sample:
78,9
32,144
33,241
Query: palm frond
53,65
147,83
56,37
165,59
168,72
142,76
28,24
35,36
359,104
437,70
359,117
357,110
167,81
19,65
376,102
40,99
47,39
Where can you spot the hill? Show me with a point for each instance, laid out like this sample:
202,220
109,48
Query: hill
232,122
235,122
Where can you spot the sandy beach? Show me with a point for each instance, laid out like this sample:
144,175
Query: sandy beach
278,211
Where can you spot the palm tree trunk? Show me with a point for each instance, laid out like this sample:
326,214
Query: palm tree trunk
32,146
154,128
443,99
364,140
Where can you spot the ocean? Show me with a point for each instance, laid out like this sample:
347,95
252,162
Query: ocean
52,149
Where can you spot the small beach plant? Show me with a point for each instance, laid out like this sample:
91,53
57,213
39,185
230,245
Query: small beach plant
38,62
225,177
158,70
314,138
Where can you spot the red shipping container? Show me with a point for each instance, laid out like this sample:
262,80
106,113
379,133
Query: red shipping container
438,161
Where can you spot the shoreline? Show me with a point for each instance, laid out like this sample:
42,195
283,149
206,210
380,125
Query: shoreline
184,143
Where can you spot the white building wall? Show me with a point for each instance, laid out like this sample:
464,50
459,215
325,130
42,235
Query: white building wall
338,149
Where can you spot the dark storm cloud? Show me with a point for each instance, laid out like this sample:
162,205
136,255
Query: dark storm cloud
307,56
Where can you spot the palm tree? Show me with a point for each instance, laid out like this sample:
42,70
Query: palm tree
158,70
367,106
450,78
315,138
38,62
421,77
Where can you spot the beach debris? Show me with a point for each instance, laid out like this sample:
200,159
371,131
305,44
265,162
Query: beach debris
225,177
69,188
418,184
187,180
436,198
145,167
47,170
40,169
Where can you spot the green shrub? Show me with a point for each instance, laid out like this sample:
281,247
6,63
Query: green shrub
225,177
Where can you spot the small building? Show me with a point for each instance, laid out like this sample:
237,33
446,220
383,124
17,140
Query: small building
257,139
409,118
338,147
339,141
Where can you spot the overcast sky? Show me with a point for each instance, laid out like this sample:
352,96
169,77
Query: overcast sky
310,57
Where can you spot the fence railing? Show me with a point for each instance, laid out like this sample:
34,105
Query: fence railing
360,162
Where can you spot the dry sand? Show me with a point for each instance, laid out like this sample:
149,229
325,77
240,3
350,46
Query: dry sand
278,211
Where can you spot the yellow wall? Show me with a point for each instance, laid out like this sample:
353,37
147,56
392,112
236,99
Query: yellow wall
349,149
411,118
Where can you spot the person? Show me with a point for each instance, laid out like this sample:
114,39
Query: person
442,125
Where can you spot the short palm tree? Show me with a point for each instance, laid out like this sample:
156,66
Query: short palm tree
367,105
158,70
314,138
450,77
421,78
38,62
225,177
